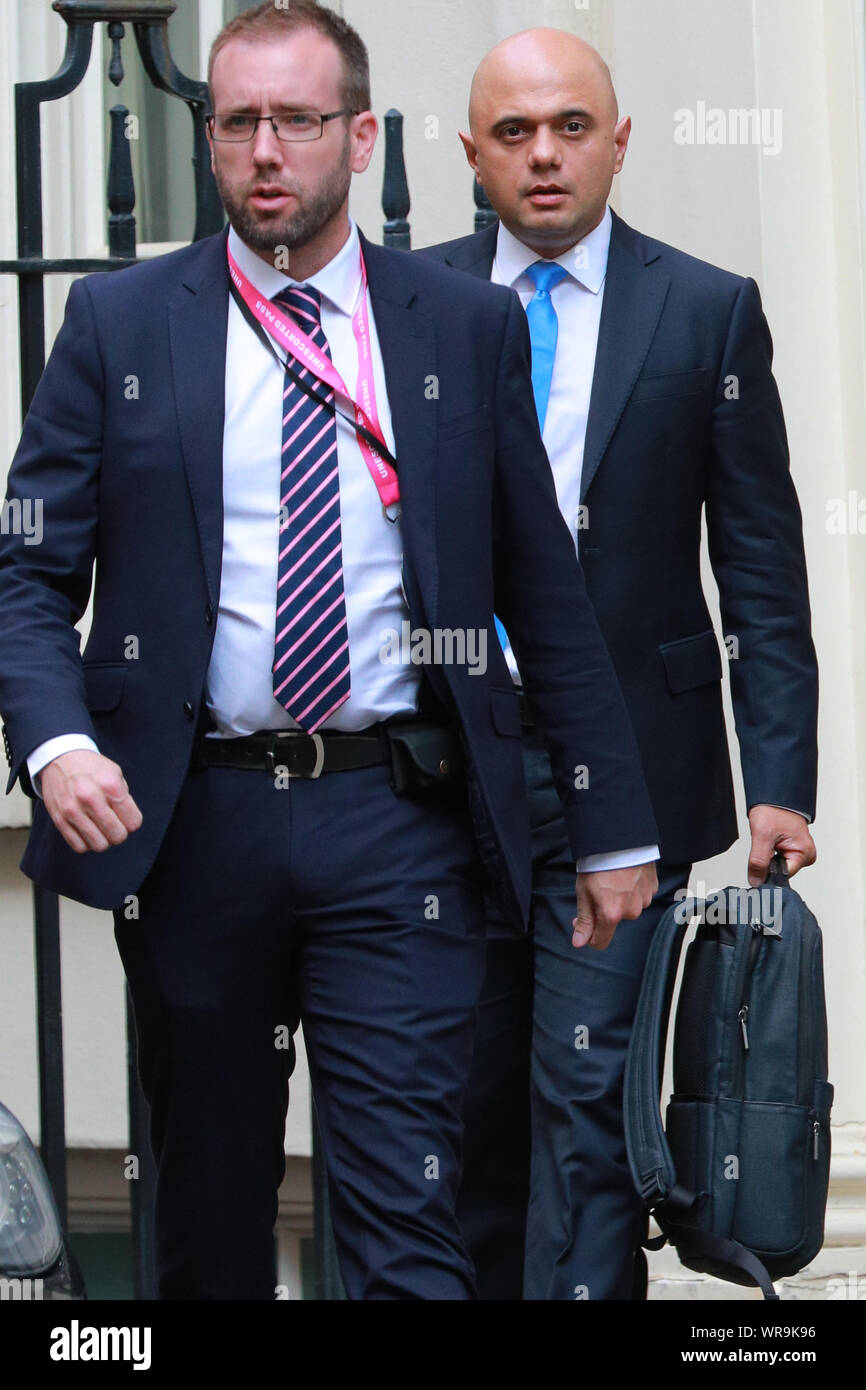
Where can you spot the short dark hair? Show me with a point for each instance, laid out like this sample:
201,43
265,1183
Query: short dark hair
273,19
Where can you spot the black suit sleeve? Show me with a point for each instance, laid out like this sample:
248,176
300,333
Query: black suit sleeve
542,600
44,587
756,548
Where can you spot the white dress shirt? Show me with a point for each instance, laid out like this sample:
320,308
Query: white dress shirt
577,301
240,694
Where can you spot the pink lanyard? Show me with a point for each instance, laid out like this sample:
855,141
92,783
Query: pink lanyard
304,351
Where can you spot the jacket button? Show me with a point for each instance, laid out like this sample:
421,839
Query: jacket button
188,709
443,767
208,614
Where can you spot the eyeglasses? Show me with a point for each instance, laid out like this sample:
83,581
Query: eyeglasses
237,127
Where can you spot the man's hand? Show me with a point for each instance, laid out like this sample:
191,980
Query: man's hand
776,829
88,800
608,897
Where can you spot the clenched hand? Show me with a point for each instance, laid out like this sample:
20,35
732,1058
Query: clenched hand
88,800
608,897
773,828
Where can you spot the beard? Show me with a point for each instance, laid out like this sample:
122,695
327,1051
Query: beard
318,207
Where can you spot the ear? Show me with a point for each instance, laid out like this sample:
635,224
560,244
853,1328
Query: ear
622,130
364,130
210,146
470,150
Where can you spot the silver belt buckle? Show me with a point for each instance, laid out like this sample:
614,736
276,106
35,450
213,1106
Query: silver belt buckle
272,764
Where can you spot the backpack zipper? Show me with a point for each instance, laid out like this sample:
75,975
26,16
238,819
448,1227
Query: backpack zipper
808,1038
743,1011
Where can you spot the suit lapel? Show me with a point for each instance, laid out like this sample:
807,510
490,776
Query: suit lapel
408,344
198,319
475,254
634,296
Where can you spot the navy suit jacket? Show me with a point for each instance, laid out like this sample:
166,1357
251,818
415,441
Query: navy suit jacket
685,418
130,474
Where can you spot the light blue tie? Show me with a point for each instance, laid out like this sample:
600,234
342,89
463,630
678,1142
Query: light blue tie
543,330
543,333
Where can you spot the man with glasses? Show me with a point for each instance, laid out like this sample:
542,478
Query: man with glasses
327,444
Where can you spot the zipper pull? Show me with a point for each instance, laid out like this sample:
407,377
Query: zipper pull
742,1016
816,1130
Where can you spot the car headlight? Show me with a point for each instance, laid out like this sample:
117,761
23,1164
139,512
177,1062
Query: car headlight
31,1239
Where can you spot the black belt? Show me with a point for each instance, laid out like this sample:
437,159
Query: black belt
302,755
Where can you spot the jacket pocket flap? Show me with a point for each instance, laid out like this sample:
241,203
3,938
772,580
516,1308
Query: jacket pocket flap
103,684
465,423
505,712
671,384
691,661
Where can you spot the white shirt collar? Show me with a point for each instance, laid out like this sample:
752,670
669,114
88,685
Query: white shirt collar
339,281
585,262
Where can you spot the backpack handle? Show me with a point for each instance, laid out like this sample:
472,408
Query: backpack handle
778,870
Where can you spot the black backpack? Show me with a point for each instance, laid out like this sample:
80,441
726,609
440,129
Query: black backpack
738,1182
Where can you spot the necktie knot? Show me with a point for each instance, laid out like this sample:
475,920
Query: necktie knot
545,275
304,303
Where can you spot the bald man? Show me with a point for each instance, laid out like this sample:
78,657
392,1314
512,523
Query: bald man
653,384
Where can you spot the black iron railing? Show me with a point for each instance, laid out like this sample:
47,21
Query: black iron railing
149,20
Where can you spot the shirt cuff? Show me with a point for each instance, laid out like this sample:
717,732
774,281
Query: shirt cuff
792,809
617,859
53,748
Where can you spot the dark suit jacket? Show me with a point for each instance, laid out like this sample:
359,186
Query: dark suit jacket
685,417
136,485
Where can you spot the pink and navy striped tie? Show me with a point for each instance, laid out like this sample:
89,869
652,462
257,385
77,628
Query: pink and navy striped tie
311,650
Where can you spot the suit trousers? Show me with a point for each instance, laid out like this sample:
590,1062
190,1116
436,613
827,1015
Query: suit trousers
336,903
547,1203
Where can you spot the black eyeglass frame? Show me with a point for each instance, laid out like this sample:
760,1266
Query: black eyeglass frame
286,139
